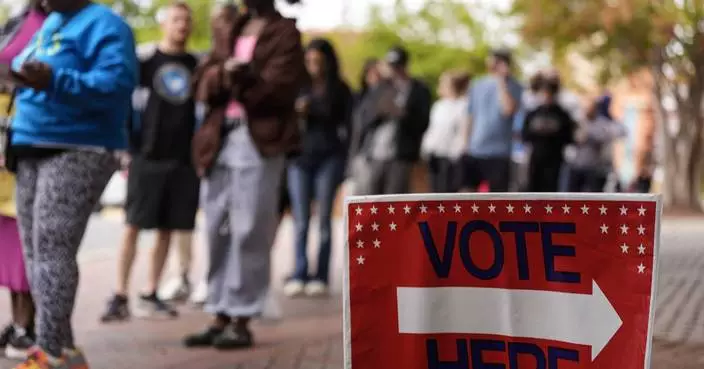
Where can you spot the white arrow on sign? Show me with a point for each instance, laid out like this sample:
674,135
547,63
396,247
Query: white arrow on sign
559,316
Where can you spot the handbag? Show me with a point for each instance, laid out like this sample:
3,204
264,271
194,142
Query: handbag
6,134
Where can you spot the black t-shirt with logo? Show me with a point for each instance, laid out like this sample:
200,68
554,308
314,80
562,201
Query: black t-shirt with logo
168,120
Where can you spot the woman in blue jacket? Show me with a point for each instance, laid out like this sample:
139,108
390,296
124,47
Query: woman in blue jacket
76,77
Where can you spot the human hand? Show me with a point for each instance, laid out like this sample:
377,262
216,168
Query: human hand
235,66
35,74
302,104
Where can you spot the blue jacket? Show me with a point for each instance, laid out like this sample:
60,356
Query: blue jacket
92,54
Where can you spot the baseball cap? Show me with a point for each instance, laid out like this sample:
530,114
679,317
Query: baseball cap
397,56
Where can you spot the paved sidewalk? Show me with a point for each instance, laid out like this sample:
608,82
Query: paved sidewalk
309,333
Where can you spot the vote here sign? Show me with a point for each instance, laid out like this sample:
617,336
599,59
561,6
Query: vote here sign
513,281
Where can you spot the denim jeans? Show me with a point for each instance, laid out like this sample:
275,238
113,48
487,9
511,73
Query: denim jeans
316,180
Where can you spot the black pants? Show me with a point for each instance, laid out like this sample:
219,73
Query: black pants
445,175
544,174
586,180
496,171
161,195
388,177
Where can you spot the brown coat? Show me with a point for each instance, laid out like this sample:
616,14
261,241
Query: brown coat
268,89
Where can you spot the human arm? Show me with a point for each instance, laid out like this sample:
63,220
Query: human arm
277,82
527,133
112,75
509,96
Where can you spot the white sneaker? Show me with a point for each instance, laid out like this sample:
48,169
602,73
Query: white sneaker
316,289
294,288
200,294
176,290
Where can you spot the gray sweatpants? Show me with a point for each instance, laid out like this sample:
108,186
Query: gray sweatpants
55,198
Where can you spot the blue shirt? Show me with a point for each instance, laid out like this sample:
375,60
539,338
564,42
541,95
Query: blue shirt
492,131
93,58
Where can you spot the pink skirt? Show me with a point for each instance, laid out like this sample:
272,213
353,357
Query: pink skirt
12,271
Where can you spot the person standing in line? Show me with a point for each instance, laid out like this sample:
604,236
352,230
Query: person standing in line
240,151
162,186
324,109
364,118
76,78
548,129
17,337
494,101
592,162
179,289
444,142
404,109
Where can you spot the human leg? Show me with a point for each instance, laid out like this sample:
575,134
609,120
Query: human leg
300,189
398,177
327,181
67,187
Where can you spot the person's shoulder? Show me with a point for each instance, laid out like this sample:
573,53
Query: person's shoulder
107,19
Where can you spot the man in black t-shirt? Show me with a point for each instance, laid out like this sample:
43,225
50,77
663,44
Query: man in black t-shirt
162,186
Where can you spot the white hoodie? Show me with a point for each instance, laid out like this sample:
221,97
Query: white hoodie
444,137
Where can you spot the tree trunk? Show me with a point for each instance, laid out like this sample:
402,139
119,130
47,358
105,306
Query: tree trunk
682,158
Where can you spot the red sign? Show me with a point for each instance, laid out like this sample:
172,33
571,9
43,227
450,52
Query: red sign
500,281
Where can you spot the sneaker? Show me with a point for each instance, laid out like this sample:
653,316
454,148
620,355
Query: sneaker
200,294
151,306
118,310
294,288
203,339
176,290
316,289
75,359
19,344
233,339
38,359
6,334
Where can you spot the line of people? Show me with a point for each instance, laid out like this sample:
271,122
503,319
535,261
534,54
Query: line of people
258,120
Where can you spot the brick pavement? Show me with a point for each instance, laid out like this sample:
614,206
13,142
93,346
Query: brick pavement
309,334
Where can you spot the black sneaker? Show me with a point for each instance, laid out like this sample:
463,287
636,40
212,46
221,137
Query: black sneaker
233,339
19,344
151,306
118,310
203,339
6,334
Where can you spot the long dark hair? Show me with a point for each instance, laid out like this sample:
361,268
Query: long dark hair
335,86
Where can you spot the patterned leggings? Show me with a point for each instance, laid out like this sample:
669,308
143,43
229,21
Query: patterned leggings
55,198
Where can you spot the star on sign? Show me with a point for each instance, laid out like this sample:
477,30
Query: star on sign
602,209
492,208
441,208
360,260
585,209
458,208
641,230
423,209
566,209
359,210
407,209
641,268
509,208
624,229
641,211
604,229
475,208
359,227
623,209
641,249
375,227
548,209
360,244
527,208
392,226
624,248
377,244
374,209
391,209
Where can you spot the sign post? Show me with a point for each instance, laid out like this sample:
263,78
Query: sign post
500,281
